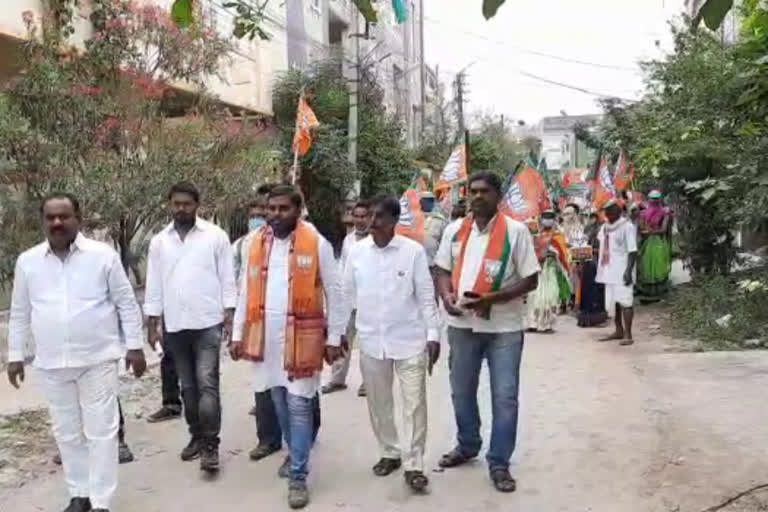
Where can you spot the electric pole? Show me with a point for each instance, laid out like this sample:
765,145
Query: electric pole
460,85
423,69
354,98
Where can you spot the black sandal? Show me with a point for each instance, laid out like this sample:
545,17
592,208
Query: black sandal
416,480
454,458
503,481
386,466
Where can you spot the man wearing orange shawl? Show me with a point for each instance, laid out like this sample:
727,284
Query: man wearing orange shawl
290,284
486,265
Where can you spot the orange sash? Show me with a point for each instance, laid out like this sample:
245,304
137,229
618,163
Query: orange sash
305,327
496,256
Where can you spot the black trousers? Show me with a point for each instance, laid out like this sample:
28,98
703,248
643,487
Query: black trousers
170,381
267,425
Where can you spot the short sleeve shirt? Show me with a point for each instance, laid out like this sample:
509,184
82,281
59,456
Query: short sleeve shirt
522,263
621,241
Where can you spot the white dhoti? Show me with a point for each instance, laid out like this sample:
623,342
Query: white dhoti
84,411
411,373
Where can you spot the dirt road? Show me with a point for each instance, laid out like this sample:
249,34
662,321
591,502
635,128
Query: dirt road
603,429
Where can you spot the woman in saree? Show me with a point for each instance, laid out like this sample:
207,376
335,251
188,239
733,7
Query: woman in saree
655,251
554,283
592,311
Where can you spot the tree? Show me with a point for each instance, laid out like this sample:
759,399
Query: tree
494,148
700,133
383,164
94,122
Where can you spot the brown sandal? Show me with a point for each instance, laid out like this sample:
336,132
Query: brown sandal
386,466
503,481
454,458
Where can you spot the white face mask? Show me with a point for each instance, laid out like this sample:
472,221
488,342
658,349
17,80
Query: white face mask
547,223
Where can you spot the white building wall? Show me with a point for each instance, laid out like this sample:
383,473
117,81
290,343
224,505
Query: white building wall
299,32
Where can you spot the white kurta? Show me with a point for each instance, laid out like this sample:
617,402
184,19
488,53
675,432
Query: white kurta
270,372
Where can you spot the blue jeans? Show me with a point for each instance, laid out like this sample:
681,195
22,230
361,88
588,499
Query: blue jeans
296,417
503,352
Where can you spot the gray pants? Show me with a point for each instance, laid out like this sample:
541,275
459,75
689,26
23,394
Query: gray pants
196,353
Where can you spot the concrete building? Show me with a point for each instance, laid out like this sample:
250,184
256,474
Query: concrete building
559,144
301,30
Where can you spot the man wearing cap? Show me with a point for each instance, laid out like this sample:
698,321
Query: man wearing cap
616,263
434,225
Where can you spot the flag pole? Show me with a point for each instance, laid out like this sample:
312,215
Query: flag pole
295,168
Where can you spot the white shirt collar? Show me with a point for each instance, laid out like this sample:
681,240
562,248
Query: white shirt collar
77,244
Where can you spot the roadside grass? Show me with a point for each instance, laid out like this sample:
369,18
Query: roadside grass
696,306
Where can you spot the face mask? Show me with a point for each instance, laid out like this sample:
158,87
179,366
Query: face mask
255,223
547,223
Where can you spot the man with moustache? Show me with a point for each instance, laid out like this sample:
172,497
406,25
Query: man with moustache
287,322
191,283
487,264
72,294
388,281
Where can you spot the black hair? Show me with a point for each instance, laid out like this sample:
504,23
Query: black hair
389,204
363,203
61,195
185,187
287,190
265,189
254,203
490,179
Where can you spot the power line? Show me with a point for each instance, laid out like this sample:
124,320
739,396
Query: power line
531,51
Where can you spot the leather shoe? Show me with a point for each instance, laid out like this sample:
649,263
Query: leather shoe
79,505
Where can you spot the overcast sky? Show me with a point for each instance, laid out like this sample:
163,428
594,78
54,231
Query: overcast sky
614,34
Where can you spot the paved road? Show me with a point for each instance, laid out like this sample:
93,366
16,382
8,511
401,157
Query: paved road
603,429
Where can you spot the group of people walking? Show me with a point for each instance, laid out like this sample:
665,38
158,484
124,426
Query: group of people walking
600,263
284,304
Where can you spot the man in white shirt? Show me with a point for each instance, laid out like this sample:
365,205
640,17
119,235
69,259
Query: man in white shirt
290,287
486,265
74,297
361,216
387,280
615,267
191,283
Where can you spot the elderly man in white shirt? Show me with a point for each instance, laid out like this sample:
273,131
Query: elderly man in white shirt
388,281
74,297
615,269
486,265
361,216
191,283
290,296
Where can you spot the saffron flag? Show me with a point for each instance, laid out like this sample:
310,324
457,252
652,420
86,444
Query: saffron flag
455,170
411,223
624,172
604,186
305,122
526,195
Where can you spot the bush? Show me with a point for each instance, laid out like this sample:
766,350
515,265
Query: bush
698,305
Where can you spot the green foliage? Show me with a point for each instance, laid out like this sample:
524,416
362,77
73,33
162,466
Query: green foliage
697,306
491,7
94,123
699,133
713,13
494,148
182,13
327,177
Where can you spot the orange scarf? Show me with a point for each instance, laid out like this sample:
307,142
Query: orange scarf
496,256
305,327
